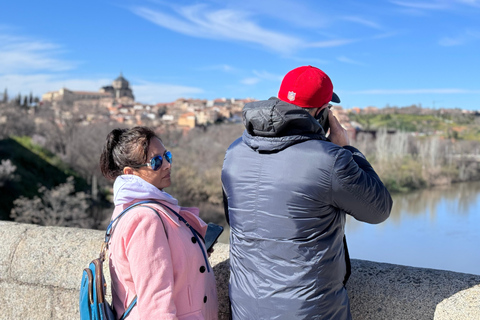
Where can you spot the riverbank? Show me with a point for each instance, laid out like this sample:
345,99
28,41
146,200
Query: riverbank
406,162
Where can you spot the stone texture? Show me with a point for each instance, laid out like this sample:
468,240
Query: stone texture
41,271
387,291
464,305
18,301
54,256
12,234
220,262
66,305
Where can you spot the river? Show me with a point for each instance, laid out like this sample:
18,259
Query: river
437,228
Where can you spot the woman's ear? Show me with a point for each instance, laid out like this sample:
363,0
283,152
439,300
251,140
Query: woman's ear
127,170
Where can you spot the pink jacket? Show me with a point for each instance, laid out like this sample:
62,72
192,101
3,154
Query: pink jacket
161,263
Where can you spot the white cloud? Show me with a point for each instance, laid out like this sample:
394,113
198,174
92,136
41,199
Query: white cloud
474,3
362,21
219,67
42,83
267,75
330,43
464,38
417,91
144,91
20,54
150,92
222,24
349,61
229,24
295,13
250,81
435,5
450,42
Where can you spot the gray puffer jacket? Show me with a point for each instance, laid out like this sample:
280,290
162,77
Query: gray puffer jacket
287,192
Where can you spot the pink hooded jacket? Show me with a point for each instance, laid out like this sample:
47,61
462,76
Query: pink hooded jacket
160,261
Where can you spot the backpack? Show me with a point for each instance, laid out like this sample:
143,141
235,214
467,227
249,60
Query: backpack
93,305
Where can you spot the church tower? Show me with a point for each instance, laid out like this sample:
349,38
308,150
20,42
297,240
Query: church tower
121,88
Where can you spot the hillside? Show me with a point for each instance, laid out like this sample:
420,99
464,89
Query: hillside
458,126
34,168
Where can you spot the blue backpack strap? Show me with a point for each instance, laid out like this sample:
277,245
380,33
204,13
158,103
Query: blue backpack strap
130,307
114,222
108,236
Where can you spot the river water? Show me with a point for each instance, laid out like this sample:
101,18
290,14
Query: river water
436,228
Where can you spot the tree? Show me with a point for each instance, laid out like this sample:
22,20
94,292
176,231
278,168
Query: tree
25,102
5,96
59,206
18,99
7,170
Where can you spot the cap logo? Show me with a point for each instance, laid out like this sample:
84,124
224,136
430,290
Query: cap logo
291,95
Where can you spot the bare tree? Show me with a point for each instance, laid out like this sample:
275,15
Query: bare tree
7,171
59,206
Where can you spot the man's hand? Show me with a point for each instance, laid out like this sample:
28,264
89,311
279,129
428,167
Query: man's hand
337,135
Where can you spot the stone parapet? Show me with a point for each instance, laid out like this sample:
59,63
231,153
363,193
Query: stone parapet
41,268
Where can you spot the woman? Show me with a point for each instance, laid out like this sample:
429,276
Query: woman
153,254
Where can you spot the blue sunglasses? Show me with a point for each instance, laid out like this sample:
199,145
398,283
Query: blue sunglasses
157,161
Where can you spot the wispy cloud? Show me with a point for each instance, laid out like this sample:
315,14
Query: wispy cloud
229,24
250,81
362,21
219,67
330,43
474,3
42,83
433,5
450,42
466,37
349,61
21,54
260,76
267,75
150,92
222,24
417,91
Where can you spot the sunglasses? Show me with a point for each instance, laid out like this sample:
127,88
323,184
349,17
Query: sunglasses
157,161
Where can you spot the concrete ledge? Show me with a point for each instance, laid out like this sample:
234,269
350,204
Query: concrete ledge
41,267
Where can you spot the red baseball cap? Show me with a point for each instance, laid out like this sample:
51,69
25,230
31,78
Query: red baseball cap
307,87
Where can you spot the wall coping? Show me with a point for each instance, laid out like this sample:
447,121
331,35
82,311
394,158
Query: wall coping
41,268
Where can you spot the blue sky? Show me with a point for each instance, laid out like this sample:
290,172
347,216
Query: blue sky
395,52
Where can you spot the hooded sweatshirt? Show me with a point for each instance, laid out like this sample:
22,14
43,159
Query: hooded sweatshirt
155,256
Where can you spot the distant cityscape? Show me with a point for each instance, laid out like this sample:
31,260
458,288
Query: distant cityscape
116,103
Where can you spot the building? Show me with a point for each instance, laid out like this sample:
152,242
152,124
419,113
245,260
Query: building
120,88
119,92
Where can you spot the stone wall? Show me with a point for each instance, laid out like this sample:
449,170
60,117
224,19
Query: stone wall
41,268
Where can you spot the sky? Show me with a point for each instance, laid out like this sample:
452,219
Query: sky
377,53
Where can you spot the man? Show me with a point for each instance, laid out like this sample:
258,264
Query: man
287,191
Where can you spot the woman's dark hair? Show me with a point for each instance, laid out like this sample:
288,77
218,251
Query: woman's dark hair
125,148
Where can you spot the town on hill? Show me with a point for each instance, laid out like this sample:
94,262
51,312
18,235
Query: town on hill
116,103
45,141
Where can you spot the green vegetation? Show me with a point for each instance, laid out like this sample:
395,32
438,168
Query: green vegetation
457,126
34,168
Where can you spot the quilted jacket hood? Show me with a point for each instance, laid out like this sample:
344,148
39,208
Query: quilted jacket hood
273,125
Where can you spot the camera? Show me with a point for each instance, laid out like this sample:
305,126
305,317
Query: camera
322,118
